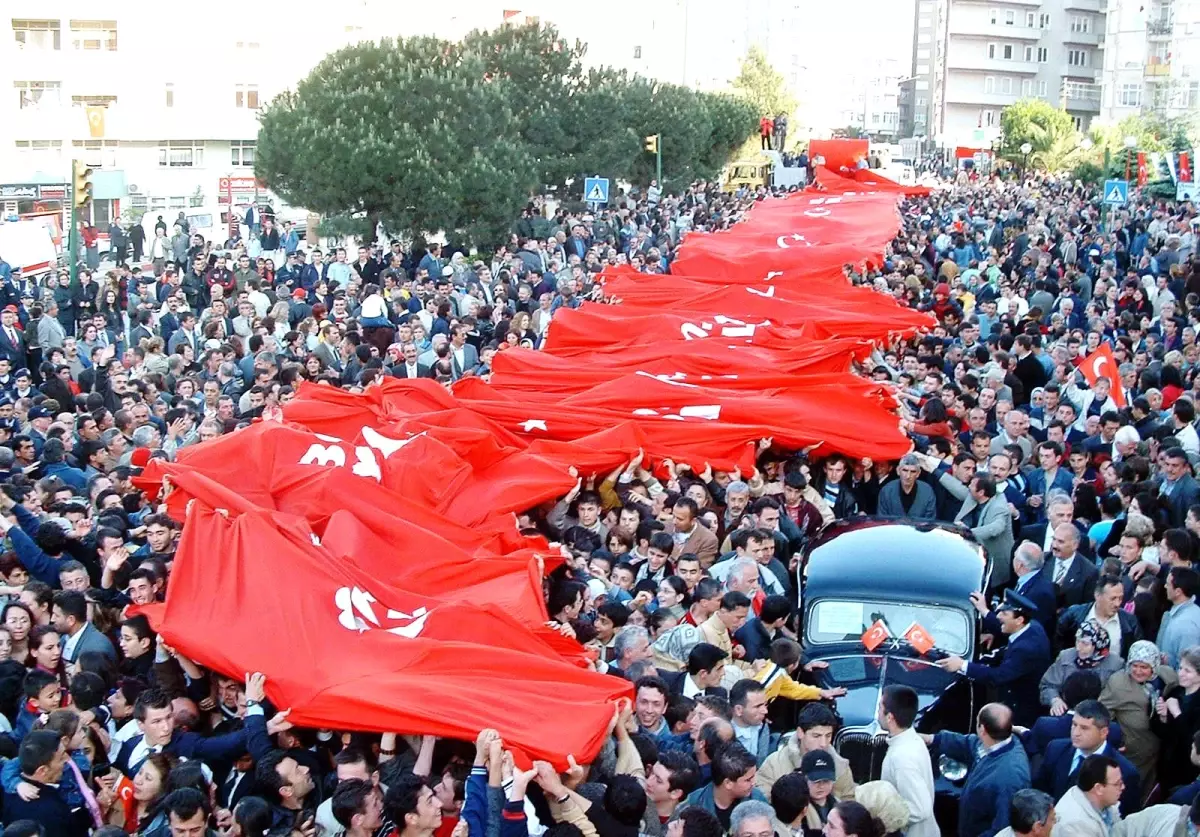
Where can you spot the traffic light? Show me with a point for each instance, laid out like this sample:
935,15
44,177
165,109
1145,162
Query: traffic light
652,143
82,184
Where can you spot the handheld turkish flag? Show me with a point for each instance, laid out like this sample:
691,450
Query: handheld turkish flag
1101,364
875,635
919,638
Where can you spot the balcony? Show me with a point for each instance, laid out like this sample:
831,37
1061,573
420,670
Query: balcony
1086,5
1083,104
984,29
991,65
974,97
1158,69
1159,30
1093,39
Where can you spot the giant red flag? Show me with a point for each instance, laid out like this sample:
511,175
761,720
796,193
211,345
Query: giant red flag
345,653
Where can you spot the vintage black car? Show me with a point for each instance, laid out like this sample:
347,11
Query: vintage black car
904,573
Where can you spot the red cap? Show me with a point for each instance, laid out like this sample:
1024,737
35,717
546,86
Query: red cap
299,293
11,308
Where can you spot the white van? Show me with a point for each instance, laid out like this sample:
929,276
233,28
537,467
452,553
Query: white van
212,222
28,246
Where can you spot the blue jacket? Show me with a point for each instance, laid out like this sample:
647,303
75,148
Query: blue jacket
1053,727
40,565
1019,673
1055,776
992,779
475,803
71,476
924,505
252,739
1037,487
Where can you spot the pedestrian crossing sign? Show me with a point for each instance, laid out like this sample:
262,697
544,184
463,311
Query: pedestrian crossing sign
595,190
1116,192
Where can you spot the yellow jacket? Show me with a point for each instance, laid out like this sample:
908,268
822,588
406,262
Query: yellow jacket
778,683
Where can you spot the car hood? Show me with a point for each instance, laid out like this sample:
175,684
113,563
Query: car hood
864,677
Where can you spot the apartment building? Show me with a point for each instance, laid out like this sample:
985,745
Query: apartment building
1152,62
919,102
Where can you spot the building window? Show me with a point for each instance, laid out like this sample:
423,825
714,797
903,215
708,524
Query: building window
923,38
246,45
1077,57
1081,23
96,154
922,69
1008,52
93,101
1043,55
1044,21
169,98
1030,19
1006,85
1130,95
1028,53
991,50
989,84
181,154
246,96
1042,87
1010,17
47,152
94,35
1078,121
994,16
242,152
1026,87
988,118
922,55
637,52
31,93
40,35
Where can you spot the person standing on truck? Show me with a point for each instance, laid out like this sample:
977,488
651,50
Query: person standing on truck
765,127
781,127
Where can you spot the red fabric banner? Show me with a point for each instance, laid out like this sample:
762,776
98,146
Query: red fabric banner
1185,167
368,655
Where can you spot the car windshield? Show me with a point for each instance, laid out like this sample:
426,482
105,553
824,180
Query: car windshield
837,620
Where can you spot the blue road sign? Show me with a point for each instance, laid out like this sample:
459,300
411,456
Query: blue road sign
1116,192
595,190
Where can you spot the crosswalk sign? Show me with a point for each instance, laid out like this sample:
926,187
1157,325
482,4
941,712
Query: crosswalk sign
1116,192
595,190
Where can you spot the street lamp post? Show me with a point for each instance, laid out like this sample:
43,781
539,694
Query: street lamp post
1025,149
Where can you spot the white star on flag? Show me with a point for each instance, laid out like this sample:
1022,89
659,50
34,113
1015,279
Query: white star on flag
534,424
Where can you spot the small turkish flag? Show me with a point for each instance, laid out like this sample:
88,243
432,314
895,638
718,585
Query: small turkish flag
919,638
1185,167
1102,364
875,635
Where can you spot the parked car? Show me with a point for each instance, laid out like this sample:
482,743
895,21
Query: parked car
903,573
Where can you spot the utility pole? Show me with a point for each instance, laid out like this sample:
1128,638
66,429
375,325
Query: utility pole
80,197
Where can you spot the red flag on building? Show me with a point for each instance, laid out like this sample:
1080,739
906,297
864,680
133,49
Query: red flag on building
1102,364
1185,167
1142,173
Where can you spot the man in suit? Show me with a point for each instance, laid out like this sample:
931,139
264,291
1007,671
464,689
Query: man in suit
187,333
1089,736
463,356
986,514
1074,577
1060,509
907,496
1105,611
69,615
1178,487
43,758
1026,564
12,340
1022,663
410,368
705,669
156,720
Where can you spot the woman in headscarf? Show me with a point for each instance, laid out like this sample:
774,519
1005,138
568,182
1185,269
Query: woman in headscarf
1132,696
1091,652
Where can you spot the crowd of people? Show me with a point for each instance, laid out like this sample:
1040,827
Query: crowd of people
1082,496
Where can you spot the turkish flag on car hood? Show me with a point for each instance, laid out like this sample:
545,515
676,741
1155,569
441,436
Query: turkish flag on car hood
364,655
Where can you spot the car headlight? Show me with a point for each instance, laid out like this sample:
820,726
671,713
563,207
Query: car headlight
954,771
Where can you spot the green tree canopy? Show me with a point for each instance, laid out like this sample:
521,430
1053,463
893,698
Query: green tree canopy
1033,121
763,85
427,135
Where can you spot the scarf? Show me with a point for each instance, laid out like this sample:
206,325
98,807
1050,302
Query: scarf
1093,633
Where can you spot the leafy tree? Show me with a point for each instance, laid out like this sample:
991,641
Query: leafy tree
350,142
1056,147
763,85
1033,121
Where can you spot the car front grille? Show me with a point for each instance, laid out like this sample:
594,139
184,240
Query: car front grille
865,752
